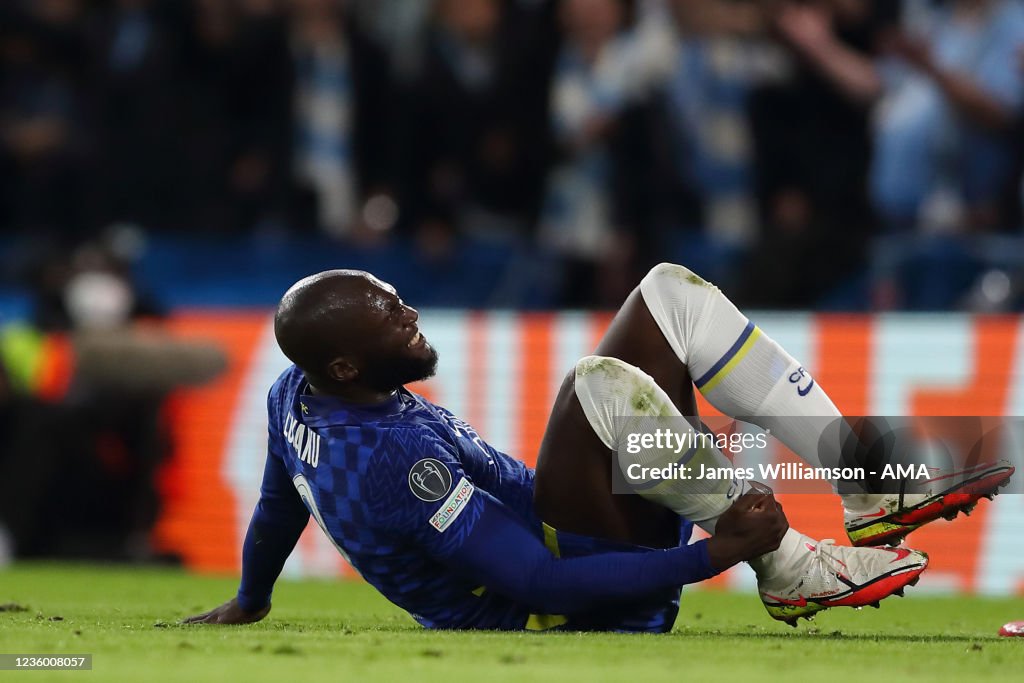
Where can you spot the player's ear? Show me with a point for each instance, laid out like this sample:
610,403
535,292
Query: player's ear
341,370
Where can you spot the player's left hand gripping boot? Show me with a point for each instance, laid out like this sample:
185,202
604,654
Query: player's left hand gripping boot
886,518
828,575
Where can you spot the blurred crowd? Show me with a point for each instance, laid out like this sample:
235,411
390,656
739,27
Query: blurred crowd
784,148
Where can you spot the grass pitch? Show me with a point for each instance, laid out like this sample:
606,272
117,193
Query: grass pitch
343,631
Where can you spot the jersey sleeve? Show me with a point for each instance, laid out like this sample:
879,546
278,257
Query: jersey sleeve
501,554
415,487
417,490
275,527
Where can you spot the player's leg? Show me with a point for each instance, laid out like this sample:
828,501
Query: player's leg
565,476
573,486
573,490
802,577
744,373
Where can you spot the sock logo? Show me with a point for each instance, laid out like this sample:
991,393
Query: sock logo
799,376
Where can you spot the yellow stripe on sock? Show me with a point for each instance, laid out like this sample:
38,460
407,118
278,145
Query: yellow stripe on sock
733,362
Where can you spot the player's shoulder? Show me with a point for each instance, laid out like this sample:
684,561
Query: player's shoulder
282,393
406,442
411,465
424,403
404,448
290,379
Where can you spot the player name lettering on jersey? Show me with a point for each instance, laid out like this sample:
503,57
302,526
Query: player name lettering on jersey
305,441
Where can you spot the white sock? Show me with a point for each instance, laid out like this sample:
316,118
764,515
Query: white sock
780,562
610,389
740,370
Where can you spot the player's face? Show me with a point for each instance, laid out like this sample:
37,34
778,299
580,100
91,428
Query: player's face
397,352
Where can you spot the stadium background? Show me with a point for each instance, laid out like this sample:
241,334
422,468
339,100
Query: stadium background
158,149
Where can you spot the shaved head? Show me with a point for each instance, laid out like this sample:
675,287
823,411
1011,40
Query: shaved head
315,317
346,329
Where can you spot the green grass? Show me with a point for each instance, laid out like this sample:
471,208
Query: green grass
344,631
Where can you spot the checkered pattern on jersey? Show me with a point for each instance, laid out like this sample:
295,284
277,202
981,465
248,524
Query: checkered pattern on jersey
360,487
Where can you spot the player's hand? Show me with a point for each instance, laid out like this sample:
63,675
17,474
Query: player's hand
752,526
228,613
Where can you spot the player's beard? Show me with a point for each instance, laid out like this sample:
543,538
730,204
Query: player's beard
392,373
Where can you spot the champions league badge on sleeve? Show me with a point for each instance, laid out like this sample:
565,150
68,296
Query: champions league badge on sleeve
430,480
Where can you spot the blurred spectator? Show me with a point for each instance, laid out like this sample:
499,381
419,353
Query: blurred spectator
340,114
41,172
137,104
607,74
473,145
719,55
945,148
235,113
812,146
397,25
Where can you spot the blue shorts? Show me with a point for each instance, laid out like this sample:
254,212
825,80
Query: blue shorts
654,614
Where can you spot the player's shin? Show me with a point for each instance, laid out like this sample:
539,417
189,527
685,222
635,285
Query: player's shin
745,374
612,391
739,369
802,576
606,389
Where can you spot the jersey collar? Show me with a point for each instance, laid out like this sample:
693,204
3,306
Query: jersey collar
325,411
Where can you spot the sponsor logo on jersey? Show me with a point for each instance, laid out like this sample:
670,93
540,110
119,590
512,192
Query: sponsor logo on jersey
452,507
429,480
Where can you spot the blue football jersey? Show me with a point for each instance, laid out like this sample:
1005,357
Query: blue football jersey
397,487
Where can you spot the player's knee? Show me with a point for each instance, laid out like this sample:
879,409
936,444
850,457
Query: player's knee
592,370
673,274
609,388
619,388
671,290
